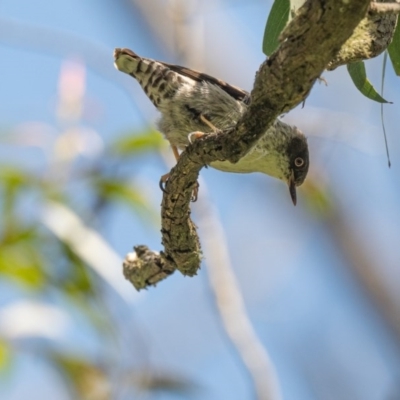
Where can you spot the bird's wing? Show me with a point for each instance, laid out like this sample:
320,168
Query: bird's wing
235,92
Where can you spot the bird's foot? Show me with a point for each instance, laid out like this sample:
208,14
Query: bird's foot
195,135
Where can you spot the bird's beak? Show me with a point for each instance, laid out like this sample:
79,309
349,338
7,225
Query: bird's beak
292,188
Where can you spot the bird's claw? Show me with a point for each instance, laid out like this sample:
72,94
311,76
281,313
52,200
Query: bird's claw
321,79
195,193
196,135
163,181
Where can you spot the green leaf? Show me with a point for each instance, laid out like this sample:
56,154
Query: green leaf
359,77
317,198
22,264
84,379
21,233
134,143
277,20
394,50
76,281
6,358
120,190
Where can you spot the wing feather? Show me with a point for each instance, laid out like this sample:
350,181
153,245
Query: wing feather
234,91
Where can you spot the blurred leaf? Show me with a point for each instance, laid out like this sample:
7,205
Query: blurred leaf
12,180
21,234
5,357
394,50
22,262
134,143
160,381
277,20
317,197
16,185
359,77
88,381
113,189
14,177
120,190
77,280
81,288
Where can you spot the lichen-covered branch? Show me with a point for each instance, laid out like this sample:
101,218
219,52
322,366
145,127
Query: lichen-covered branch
310,41
371,37
144,267
387,8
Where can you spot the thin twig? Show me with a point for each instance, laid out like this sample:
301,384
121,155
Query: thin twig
231,306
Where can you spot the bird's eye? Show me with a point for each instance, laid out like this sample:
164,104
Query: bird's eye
298,162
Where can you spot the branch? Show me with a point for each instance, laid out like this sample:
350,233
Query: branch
231,306
384,8
310,41
371,37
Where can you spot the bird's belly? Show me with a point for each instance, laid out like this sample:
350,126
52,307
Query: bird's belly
253,161
227,166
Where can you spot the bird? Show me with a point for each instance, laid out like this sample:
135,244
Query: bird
193,103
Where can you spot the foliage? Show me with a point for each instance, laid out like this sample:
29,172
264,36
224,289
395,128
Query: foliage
359,77
277,20
45,269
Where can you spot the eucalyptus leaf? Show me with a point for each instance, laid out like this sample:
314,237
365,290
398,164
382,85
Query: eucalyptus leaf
277,20
359,76
123,191
394,50
6,357
22,264
134,143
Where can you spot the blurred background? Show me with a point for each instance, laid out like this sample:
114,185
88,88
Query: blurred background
316,286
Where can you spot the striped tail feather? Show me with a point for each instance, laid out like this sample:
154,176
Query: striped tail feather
158,81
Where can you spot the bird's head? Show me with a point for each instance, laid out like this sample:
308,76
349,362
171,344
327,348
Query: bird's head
297,162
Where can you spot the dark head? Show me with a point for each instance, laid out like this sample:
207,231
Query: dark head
297,152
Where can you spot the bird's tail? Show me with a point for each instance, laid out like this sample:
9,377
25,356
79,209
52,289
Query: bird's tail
158,81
